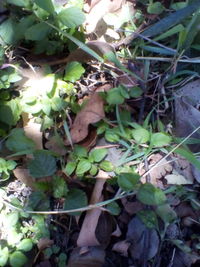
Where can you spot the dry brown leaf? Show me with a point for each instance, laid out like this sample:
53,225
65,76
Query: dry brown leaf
54,145
91,113
44,243
23,175
87,235
99,9
92,257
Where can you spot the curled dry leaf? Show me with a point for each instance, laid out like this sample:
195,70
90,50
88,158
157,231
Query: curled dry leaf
91,113
87,235
93,257
99,9
121,247
44,243
23,175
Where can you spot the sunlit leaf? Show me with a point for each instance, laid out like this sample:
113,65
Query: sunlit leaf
73,71
83,166
71,17
25,245
47,5
97,155
17,259
160,139
141,135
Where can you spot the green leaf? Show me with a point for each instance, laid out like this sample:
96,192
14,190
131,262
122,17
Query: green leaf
141,135
128,181
17,259
114,96
180,244
83,166
7,165
21,3
93,170
135,92
106,166
60,188
173,19
57,104
166,213
111,136
11,219
70,167
7,32
80,151
4,254
23,25
97,155
189,156
150,195
73,71
17,141
71,17
25,245
10,112
160,139
75,199
113,208
47,5
42,165
155,8
37,32
149,218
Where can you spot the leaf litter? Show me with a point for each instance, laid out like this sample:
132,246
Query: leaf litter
95,234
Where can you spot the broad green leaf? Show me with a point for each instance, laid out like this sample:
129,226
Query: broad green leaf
155,8
49,84
42,165
113,208
47,5
83,166
141,135
7,165
4,254
17,141
80,151
7,32
25,245
93,170
11,219
96,155
38,201
10,112
60,188
166,213
135,92
75,199
21,3
150,195
62,258
149,218
106,166
57,104
17,259
70,167
178,5
37,32
128,181
114,96
160,139
111,136
73,71
23,25
71,17
171,20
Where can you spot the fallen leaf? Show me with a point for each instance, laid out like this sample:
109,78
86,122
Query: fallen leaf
87,235
91,257
132,207
121,247
54,145
98,10
144,241
176,178
44,243
91,113
23,175
187,114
